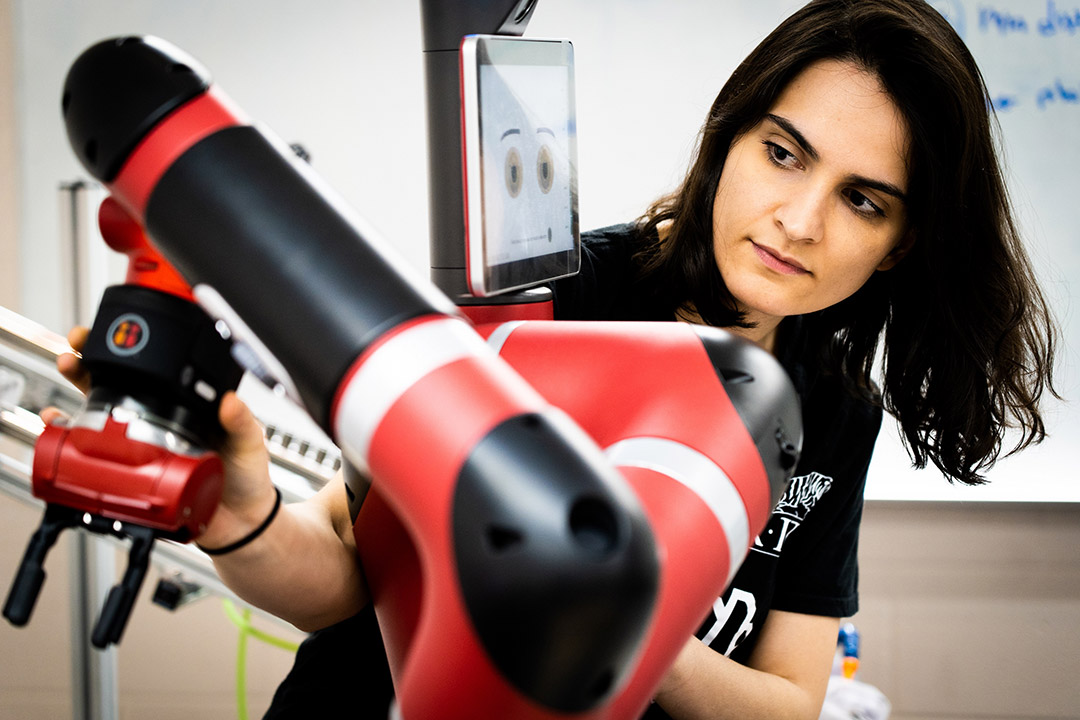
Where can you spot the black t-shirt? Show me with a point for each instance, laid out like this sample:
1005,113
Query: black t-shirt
804,561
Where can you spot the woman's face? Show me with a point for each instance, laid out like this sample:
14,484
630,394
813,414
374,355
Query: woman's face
811,200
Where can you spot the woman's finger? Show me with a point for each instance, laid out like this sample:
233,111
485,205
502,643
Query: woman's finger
244,434
77,338
71,367
244,449
50,415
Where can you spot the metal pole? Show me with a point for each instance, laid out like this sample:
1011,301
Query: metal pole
93,562
93,672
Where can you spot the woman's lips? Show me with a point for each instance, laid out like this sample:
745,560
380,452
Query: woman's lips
774,262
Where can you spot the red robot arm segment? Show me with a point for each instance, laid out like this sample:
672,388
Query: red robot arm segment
706,455
706,428
540,550
97,466
146,267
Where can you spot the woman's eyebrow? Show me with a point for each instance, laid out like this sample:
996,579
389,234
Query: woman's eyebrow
787,126
879,185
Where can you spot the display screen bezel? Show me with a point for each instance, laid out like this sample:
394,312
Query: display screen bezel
484,277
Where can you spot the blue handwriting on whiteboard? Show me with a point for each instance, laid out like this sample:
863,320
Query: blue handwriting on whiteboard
1003,22
1053,94
1056,21
1057,93
1005,102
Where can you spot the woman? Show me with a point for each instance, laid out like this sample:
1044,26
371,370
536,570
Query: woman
848,181
846,190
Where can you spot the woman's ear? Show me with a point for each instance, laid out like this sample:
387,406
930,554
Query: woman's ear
898,252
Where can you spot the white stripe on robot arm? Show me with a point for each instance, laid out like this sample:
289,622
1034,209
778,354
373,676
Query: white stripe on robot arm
700,474
394,367
502,333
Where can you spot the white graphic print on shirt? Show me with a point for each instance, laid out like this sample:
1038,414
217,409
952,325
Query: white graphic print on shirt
723,611
802,494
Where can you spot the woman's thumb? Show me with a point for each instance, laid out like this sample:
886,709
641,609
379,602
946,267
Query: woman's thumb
243,434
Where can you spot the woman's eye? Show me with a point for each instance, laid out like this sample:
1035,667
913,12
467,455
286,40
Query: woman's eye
779,155
863,204
513,172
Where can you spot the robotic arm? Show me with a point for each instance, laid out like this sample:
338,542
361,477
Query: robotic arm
372,352
521,566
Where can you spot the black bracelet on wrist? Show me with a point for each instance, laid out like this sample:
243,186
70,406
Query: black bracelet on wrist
251,535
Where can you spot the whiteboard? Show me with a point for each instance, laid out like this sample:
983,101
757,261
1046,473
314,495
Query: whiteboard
1029,52
344,78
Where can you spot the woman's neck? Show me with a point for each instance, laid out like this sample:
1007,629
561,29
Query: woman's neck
762,336
763,332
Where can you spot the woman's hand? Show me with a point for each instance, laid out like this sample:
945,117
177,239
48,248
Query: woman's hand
248,495
71,367
303,567
70,364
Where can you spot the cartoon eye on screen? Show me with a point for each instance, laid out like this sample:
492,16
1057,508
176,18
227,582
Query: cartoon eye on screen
520,162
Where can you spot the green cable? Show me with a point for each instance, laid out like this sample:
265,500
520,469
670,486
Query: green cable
241,670
243,622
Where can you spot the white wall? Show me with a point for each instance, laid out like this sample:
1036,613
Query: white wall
9,226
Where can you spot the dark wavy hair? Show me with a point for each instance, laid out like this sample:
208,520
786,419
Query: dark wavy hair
968,337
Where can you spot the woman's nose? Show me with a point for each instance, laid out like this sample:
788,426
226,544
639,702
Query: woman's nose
802,215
